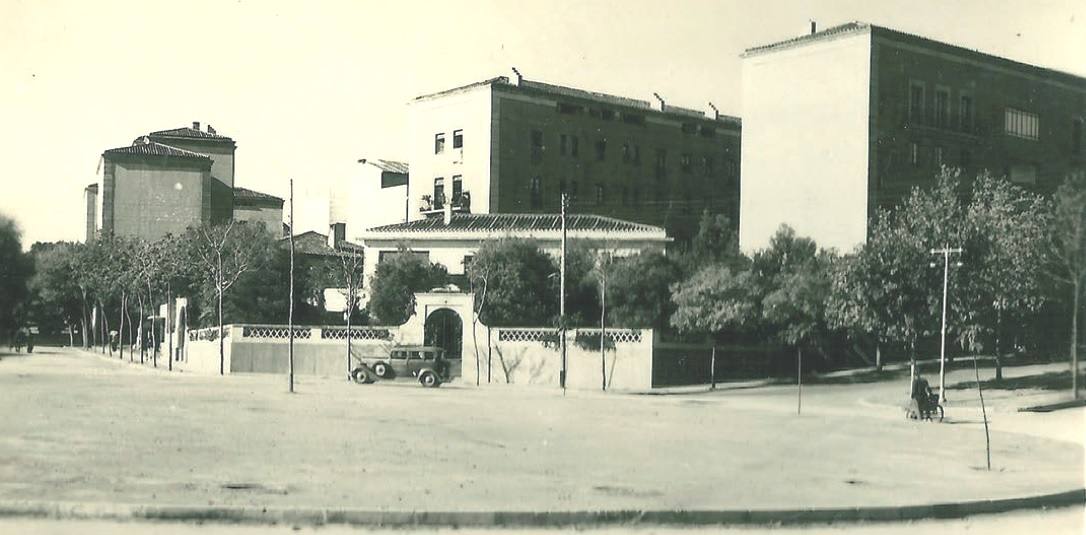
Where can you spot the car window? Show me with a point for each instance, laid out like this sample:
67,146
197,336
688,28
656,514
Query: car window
398,354
426,355
413,354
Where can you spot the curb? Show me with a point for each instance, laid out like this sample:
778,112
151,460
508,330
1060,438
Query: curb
457,519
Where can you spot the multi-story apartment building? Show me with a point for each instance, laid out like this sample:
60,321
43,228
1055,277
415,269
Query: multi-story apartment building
513,147
848,120
169,180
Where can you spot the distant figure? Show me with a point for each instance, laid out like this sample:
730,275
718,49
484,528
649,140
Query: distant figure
923,395
19,337
30,342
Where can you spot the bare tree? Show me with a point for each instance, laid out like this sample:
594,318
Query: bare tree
1068,250
346,270
224,253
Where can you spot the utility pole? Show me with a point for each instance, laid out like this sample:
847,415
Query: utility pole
946,252
290,313
562,296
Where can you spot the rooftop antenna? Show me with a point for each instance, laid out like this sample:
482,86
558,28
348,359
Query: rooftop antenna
520,77
716,112
663,105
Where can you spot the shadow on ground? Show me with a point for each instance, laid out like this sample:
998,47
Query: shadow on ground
1043,381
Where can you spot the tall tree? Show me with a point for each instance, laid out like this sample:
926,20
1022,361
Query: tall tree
1005,229
1067,233
521,288
15,270
638,290
716,300
225,253
398,278
54,287
345,270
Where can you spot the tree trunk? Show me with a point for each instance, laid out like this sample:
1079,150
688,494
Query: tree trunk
120,329
1074,338
878,357
71,337
154,341
222,347
141,331
912,366
128,316
603,336
350,308
998,350
799,380
83,319
109,336
169,325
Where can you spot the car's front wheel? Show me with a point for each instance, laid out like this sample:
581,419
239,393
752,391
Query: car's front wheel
361,376
429,379
381,370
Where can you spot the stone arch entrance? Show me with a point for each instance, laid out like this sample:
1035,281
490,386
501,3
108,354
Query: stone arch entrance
445,329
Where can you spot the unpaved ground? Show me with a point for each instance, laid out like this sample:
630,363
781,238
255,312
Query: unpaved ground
81,428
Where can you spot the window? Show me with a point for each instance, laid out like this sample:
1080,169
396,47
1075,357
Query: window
914,153
661,163
690,128
916,102
938,157
563,144
458,139
535,193
439,143
439,193
942,107
627,154
706,165
1076,136
457,188
684,162
569,109
599,194
573,146
537,146
468,259
399,355
608,115
1023,173
731,167
965,113
1020,123
601,149
633,118
636,154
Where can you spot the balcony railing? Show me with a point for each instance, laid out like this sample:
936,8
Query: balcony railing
429,204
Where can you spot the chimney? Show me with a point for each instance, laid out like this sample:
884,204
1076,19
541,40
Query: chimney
814,27
337,233
210,130
196,125
520,78
716,112
447,212
663,105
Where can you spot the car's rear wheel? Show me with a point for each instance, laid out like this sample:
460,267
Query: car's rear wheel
381,370
361,376
429,379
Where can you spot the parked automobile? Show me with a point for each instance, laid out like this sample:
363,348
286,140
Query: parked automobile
427,364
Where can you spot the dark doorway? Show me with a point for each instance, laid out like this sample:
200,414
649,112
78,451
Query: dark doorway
445,329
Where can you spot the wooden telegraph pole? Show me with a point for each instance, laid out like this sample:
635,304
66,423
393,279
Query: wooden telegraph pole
562,296
290,314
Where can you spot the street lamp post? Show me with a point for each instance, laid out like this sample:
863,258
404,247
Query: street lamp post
946,252
562,296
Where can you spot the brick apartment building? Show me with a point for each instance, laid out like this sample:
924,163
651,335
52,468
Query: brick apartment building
498,146
844,121
169,180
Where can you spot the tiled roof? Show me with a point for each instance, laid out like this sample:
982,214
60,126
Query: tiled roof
247,195
848,27
145,147
314,243
190,133
390,166
513,222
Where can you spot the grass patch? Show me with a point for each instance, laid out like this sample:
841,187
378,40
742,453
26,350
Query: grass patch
1046,381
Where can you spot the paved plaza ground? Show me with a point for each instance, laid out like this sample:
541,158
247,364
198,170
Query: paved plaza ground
81,428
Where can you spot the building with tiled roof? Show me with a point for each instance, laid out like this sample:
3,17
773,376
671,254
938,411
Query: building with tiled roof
843,122
515,146
169,180
453,239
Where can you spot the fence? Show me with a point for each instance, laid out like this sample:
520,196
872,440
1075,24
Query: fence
248,348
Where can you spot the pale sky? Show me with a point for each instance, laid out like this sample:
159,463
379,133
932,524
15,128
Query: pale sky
308,88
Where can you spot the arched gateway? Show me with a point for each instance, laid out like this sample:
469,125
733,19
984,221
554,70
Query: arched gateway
445,329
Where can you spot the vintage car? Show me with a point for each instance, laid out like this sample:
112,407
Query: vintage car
427,364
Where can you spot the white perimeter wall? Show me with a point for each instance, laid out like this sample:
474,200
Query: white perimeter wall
469,111
805,143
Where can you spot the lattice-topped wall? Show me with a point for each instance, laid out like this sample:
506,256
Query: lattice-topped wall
208,334
527,335
275,332
618,336
361,333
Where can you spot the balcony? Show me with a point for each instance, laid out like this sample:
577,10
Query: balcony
430,204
